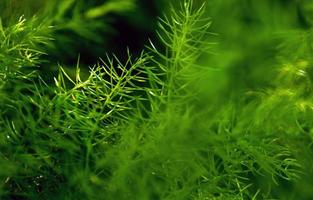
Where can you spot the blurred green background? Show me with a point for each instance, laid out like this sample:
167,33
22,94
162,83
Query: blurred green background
90,28
253,35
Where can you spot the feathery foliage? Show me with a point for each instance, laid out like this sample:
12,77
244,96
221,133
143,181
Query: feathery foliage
152,127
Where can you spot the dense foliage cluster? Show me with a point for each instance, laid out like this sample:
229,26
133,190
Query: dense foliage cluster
208,111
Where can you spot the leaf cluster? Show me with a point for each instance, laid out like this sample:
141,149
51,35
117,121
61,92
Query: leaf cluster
146,128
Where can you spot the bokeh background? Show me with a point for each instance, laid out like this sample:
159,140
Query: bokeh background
251,35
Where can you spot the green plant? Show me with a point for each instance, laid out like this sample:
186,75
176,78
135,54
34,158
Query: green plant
149,128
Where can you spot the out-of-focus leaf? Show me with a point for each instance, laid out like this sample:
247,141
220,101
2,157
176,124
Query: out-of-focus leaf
110,6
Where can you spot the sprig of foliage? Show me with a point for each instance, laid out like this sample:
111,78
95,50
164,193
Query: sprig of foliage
20,44
20,54
184,36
